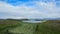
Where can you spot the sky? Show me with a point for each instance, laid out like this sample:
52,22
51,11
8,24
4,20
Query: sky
31,9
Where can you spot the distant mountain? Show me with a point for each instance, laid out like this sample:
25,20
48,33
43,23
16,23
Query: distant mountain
52,19
34,19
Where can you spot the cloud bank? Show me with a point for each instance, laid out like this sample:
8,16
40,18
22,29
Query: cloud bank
36,9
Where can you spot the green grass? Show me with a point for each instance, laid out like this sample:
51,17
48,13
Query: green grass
26,28
8,24
49,27
19,27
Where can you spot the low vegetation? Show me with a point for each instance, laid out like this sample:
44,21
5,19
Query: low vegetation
8,24
49,27
19,27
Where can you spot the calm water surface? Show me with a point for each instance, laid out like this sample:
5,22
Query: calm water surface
33,21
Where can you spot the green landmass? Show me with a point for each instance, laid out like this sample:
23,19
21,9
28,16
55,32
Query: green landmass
19,27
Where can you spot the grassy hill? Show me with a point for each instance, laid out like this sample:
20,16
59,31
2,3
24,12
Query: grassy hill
49,27
19,27
8,24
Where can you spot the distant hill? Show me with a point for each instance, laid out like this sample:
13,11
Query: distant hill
51,19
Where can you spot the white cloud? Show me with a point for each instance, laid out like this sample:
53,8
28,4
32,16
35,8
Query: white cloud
42,10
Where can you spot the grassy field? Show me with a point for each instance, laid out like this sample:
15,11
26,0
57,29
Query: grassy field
8,24
19,27
49,27
26,28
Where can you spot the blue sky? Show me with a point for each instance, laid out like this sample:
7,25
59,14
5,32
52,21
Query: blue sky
30,9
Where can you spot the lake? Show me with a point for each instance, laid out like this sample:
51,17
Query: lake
32,21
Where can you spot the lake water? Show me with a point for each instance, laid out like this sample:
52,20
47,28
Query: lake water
33,21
